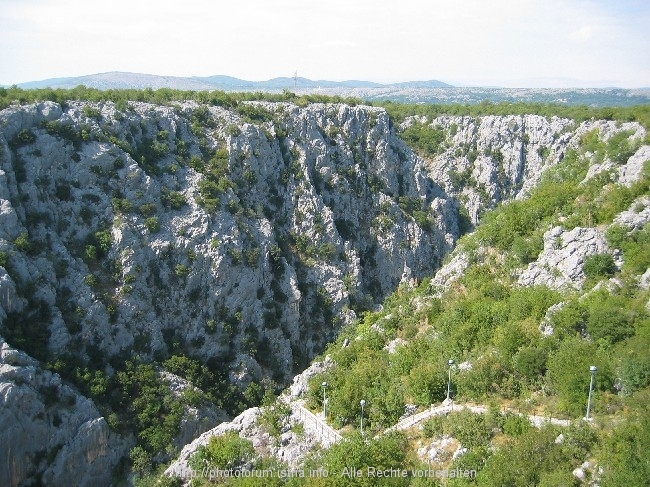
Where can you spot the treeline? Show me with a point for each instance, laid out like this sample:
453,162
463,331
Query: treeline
638,113
161,96
397,111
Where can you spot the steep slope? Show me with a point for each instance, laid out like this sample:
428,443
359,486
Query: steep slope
483,161
49,430
222,232
243,237
524,327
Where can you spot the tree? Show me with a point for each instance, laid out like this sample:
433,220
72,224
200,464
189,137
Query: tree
382,453
568,373
523,462
624,455
426,384
225,452
608,318
153,224
598,266
530,363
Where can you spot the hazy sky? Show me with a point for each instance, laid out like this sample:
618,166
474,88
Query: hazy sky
554,43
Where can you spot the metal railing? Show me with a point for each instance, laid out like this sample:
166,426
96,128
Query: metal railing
323,431
407,423
327,435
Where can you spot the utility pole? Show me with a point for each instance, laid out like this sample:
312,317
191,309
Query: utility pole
593,369
451,364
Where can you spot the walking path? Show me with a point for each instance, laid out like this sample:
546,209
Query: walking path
323,431
328,435
410,421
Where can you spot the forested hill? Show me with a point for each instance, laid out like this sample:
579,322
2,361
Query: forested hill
169,259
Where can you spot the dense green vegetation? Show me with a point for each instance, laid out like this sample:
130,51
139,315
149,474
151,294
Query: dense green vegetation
163,96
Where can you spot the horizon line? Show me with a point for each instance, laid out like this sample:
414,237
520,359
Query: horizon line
383,83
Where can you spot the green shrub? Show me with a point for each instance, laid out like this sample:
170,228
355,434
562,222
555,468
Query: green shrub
526,461
516,425
233,130
22,138
599,265
425,139
619,147
90,252
225,452
568,373
635,247
121,205
147,209
624,453
472,430
174,199
91,280
434,427
254,113
22,242
92,112
181,270
152,224
608,319
382,452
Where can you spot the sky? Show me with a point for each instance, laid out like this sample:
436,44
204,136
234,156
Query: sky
510,43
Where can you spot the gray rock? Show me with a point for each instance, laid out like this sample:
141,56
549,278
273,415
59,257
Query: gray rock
560,263
632,170
644,280
242,424
637,215
49,430
324,189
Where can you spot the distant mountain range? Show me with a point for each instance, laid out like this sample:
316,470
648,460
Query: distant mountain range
117,80
431,91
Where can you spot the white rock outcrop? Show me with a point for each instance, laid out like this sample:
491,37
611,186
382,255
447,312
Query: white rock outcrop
49,430
560,263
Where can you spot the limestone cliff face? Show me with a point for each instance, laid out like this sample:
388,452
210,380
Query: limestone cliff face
133,243
535,144
246,237
49,430
243,236
493,159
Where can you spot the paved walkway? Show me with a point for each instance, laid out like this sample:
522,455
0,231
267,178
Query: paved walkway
328,435
323,431
444,409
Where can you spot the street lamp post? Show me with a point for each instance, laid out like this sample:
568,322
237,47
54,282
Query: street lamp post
324,401
593,369
450,363
363,404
